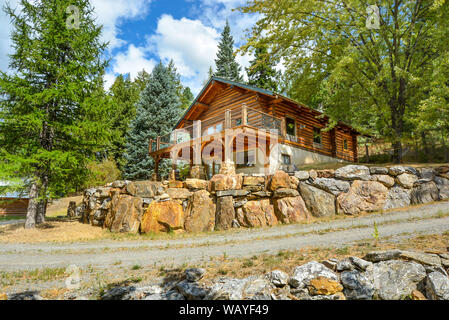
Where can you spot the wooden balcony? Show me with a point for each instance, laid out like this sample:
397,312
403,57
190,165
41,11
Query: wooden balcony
242,120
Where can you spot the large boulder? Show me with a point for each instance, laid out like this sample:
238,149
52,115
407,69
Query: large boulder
353,172
200,213
336,187
395,279
378,170
125,214
196,184
253,181
324,286
357,286
437,286
302,275
319,202
225,213
398,198
226,289
302,175
424,193
221,182
291,210
162,217
443,187
280,180
406,180
257,214
145,189
363,196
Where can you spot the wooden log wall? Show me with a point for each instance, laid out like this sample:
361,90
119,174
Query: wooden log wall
13,206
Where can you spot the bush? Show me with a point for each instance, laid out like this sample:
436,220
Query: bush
101,173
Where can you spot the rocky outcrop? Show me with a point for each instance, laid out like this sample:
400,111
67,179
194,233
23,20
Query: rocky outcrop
225,213
424,193
280,180
257,214
125,214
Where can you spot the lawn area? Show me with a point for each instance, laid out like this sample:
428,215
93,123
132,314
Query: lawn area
335,166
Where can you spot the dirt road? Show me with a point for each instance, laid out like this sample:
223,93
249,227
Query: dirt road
428,219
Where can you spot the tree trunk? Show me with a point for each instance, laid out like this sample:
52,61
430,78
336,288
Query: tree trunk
424,144
42,204
367,152
32,207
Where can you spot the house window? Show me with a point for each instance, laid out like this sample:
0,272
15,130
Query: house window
291,126
316,135
345,144
238,122
214,129
286,159
246,159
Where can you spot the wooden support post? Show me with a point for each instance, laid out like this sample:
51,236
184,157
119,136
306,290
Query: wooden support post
175,137
228,119
244,115
197,143
151,145
284,127
156,166
158,143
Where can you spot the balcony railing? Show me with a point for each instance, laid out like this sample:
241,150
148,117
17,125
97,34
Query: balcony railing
238,117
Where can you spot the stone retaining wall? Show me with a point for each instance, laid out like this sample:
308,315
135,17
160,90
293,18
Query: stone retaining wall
241,201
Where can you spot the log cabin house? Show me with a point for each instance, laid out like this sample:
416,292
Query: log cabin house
13,203
277,133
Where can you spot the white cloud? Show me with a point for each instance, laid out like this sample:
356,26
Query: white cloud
112,13
191,45
132,61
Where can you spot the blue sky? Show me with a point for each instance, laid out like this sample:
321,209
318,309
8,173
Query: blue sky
143,32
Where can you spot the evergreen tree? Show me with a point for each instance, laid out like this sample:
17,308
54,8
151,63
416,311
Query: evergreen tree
261,72
186,98
124,96
141,80
227,67
157,114
54,112
210,74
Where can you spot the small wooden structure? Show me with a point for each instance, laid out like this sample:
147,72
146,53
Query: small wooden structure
226,111
13,203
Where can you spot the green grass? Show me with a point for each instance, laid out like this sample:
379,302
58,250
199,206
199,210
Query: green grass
9,218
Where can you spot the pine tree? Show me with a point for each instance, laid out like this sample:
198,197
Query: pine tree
226,65
186,98
124,96
261,72
53,113
157,114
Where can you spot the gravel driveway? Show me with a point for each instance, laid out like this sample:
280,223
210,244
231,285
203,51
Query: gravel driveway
428,219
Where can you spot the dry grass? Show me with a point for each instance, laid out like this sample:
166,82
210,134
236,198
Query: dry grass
334,166
52,231
59,206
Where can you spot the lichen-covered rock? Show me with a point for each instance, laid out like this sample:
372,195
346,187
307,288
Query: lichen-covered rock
226,289
437,286
196,184
398,198
386,180
162,217
225,213
395,279
427,173
291,210
257,214
282,193
357,286
175,184
232,193
353,172
278,278
200,213
191,290
294,182
422,258
378,170
396,170
303,274
302,175
253,181
324,286
406,180
424,193
336,187
363,196
125,214
256,288
377,256
221,182
443,187
327,173
145,189
178,193
319,203
280,180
